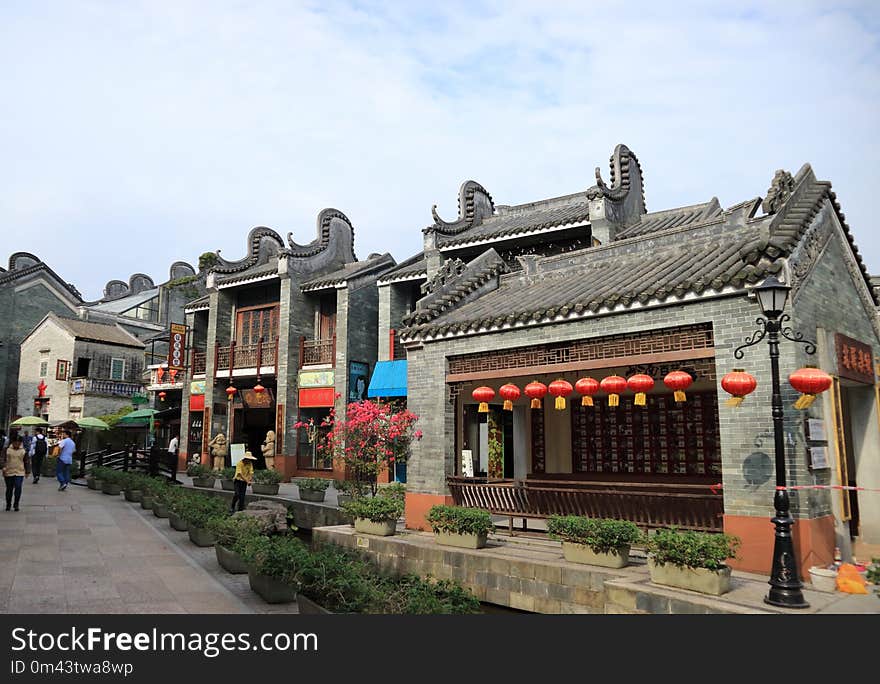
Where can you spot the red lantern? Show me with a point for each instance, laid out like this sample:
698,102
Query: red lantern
162,396
809,381
172,373
483,395
586,387
259,389
640,383
535,391
560,389
159,373
510,393
739,384
230,392
678,381
615,386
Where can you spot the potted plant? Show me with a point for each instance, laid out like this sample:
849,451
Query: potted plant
197,511
273,564
111,483
231,534
267,482
93,478
374,515
130,486
149,489
312,488
594,541
346,490
459,526
175,509
227,476
691,560
202,475
164,498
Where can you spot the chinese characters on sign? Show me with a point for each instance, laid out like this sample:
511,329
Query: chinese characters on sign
61,369
176,346
855,360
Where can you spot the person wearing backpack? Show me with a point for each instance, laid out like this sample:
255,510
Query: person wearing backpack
39,449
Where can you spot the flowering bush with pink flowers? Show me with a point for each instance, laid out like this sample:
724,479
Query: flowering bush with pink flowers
372,438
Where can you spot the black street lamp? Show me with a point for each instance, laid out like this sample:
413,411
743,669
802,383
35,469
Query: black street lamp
785,582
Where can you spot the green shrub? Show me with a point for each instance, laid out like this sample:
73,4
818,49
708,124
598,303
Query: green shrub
376,509
313,484
352,487
600,534
339,580
281,557
413,595
199,470
268,476
229,530
692,549
395,490
227,473
198,510
459,520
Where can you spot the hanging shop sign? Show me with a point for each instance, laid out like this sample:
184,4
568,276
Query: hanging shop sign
177,347
855,360
253,399
321,378
197,402
317,397
197,387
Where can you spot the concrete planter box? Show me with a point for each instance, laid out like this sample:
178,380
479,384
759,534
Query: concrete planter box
270,489
160,510
201,537
465,541
177,522
380,529
147,501
133,495
311,495
230,561
270,589
206,482
227,485
308,607
111,488
343,498
92,483
581,553
715,582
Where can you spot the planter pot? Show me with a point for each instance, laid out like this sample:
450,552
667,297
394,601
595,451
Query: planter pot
581,553
147,501
230,561
271,489
380,529
133,495
160,510
308,607
270,589
343,498
311,495
93,483
201,537
715,582
111,488
227,485
465,541
177,522
206,482
823,579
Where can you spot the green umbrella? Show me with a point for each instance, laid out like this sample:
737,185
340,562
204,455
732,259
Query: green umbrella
142,416
92,424
28,421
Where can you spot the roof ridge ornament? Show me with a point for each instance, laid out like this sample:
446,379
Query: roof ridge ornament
474,202
781,188
451,269
621,176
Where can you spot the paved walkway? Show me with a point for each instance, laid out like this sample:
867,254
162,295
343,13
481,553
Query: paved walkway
81,551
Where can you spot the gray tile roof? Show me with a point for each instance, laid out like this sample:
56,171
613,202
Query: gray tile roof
204,300
415,265
98,332
672,218
376,262
125,303
265,269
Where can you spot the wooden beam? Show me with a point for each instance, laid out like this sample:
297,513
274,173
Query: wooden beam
636,360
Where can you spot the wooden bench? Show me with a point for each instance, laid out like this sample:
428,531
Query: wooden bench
648,505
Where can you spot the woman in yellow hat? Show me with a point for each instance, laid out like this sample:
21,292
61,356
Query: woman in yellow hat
244,474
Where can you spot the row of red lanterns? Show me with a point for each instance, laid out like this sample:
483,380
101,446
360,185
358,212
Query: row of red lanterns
809,381
231,390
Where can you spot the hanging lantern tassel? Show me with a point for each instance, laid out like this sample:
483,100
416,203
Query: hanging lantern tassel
809,381
535,391
560,389
586,387
510,393
678,381
738,384
614,385
640,384
483,395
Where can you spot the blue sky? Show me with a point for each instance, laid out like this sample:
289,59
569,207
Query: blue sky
138,133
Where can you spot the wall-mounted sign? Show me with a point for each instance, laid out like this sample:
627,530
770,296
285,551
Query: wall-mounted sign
252,399
236,452
177,346
320,378
816,430
819,458
358,374
855,360
62,368
197,402
77,385
197,387
467,463
316,397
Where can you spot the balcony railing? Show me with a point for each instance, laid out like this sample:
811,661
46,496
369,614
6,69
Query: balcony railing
113,388
199,362
245,356
314,352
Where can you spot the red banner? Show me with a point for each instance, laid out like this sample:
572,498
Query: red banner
317,397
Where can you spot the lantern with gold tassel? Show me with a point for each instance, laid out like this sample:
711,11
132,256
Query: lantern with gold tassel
615,386
510,393
483,395
560,389
809,381
738,384
678,381
640,383
535,391
586,387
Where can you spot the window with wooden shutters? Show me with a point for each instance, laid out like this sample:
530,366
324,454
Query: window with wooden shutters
327,317
252,324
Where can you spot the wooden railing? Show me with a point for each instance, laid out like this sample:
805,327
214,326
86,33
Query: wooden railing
154,461
313,352
648,505
199,362
245,355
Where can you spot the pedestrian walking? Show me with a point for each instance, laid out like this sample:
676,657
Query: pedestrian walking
16,466
66,447
26,440
39,449
173,445
244,474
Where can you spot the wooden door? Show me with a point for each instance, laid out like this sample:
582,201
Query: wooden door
254,323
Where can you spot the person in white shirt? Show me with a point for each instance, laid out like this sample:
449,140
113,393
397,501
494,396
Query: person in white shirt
172,445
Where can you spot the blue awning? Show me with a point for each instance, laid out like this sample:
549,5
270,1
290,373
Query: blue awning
389,379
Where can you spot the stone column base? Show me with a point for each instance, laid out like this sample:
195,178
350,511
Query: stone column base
813,542
417,506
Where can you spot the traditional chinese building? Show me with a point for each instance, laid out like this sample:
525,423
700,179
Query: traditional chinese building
591,284
284,335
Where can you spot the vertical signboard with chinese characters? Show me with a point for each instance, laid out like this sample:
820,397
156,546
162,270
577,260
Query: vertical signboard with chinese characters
855,360
177,347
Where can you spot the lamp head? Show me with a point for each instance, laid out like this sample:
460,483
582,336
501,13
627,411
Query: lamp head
772,295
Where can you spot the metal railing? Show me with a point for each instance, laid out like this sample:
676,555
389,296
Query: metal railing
314,352
115,388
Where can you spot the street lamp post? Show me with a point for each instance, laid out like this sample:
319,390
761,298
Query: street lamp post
785,582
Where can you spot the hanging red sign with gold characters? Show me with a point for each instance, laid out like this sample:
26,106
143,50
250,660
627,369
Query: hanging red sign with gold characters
855,360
